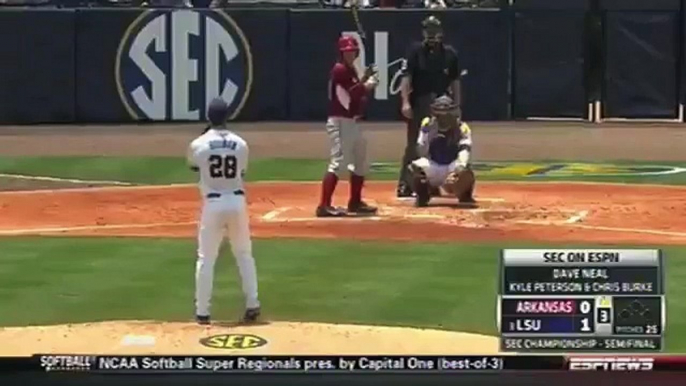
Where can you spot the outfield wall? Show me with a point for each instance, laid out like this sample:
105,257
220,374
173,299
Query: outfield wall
533,60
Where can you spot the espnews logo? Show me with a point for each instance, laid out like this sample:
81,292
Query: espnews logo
611,364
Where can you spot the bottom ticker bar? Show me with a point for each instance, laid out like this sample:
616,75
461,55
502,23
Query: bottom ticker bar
579,344
339,364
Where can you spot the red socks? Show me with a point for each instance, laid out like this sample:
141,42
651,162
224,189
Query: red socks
356,183
328,186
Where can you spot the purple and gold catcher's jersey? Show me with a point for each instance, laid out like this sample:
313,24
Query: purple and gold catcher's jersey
442,147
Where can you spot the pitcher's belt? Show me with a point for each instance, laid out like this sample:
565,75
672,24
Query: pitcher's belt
238,192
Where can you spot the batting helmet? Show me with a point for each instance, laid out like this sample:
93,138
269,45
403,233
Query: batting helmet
217,112
348,44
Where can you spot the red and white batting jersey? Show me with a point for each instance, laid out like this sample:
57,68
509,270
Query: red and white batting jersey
347,94
221,157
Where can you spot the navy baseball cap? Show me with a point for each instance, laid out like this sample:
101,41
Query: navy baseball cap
217,112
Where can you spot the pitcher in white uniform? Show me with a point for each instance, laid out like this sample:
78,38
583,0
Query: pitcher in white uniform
221,158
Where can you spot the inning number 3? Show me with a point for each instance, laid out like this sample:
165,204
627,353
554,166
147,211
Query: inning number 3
222,167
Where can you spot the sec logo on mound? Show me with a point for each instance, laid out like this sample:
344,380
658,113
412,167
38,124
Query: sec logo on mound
170,64
233,341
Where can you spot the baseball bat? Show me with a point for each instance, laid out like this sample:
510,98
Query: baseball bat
354,8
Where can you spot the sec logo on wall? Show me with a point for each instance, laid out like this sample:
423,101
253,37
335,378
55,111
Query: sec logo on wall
171,63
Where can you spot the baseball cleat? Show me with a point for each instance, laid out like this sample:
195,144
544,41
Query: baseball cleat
362,208
421,188
329,211
404,191
423,197
202,320
251,315
467,200
421,203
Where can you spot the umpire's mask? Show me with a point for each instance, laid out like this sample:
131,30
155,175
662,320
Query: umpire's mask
432,31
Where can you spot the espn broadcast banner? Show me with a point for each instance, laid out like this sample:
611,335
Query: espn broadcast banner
338,364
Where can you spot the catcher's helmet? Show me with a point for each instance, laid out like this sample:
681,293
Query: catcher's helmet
217,112
348,44
444,105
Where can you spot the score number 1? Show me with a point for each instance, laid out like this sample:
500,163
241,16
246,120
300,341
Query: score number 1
586,309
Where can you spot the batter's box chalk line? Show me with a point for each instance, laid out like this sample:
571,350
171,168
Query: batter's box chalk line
59,179
575,217
392,213
425,216
275,213
631,230
575,221
26,231
276,216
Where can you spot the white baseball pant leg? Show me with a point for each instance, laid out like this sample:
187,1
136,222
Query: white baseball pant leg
218,215
241,247
348,146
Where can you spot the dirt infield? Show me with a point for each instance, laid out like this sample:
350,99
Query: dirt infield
558,212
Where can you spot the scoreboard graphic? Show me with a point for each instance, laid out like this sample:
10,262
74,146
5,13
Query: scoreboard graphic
580,300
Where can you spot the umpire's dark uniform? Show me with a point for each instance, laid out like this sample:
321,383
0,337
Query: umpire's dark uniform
429,70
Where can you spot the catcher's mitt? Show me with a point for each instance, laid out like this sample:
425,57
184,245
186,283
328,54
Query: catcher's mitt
460,182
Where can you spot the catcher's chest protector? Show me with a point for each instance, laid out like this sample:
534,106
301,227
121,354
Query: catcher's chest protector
444,146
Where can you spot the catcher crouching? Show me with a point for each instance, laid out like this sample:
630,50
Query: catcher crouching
444,146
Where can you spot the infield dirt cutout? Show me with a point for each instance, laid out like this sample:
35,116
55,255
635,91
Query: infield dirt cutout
550,212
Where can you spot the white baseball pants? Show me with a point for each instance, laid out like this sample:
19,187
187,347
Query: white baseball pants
226,215
348,146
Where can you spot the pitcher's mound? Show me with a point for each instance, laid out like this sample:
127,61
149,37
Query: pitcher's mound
275,338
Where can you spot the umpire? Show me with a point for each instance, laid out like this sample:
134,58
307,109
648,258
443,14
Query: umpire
431,69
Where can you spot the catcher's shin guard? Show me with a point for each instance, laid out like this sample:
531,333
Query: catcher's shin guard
420,185
465,192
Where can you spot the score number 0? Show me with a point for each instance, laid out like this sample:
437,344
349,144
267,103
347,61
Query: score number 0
585,308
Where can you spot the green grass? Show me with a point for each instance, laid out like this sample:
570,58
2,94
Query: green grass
144,170
54,280
82,279
167,170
